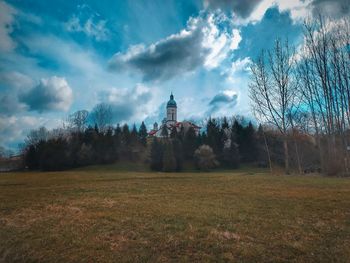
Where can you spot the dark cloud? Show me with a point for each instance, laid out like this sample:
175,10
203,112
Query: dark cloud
206,41
333,8
224,99
50,94
169,57
242,8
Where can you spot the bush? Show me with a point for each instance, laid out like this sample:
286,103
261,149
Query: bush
205,158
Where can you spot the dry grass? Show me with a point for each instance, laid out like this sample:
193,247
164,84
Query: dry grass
102,216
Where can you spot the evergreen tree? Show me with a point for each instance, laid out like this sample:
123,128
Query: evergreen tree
173,133
156,155
143,134
231,156
169,161
214,136
190,141
126,137
134,135
164,132
178,153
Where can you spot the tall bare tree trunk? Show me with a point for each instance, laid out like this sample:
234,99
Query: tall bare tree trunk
286,154
268,152
298,156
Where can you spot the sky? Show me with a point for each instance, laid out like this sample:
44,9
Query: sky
57,57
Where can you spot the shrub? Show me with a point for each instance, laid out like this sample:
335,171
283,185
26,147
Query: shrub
205,158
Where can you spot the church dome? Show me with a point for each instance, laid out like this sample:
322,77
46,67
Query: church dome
171,102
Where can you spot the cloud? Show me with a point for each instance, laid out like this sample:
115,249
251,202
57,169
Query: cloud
96,30
52,94
88,22
223,102
205,42
13,129
332,8
7,14
15,80
11,84
128,104
10,105
241,8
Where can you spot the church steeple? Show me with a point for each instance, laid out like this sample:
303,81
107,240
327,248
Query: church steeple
171,109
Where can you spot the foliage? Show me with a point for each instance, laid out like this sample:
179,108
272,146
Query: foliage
205,158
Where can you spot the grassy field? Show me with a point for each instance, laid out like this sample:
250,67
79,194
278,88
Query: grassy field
101,215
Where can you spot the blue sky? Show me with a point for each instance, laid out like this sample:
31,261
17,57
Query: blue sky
61,56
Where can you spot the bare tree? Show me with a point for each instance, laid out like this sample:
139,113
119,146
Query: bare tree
78,119
324,71
102,116
273,90
35,136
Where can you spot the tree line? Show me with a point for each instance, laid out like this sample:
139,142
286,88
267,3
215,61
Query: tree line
225,142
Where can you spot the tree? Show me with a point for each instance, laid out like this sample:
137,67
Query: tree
164,131
156,155
36,136
205,158
169,161
143,134
134,135
173,133
273,90
78,119
214,136
102,116
231,156
325,80
189,143
178,153
126,136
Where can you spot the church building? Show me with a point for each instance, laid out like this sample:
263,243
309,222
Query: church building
170,121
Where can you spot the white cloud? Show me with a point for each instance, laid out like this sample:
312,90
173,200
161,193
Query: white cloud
13,129
218,42
96,30
7,14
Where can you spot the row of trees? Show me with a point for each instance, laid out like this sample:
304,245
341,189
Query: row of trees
308,92
225,143
231,142
67,148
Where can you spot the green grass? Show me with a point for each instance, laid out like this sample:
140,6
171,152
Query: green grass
100,215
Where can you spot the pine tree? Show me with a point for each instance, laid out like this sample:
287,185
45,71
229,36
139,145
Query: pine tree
190,141
143,134
173,133
164,132
169,161
178,153
156,155
126,137
134,135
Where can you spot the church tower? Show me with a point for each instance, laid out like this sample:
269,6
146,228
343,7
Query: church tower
171,111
